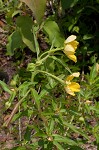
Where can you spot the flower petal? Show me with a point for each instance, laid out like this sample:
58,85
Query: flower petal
70,39
76,74
74,44
69,91
75,87
72,57
69,78
69,50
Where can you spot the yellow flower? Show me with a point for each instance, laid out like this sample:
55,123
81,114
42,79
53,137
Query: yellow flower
97,67
70,47
72,86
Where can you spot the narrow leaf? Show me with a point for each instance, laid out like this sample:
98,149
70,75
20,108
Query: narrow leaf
58,145
5,87
66,140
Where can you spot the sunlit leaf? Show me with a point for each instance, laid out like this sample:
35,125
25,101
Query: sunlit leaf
52,30
37,7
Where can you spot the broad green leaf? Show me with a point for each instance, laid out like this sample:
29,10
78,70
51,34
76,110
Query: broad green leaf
14,42
25,25
68,3
37,7
52,30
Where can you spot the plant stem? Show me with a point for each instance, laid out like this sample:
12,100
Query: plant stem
53,76
6,124
51,51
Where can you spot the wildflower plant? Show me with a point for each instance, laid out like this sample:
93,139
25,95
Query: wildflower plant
41,88
47,91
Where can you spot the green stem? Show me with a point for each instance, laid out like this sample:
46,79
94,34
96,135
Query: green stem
53,76
51,51
43,59
6,124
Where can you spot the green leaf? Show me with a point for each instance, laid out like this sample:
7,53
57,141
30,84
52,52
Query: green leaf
76,148
73,128
52,123
25,25
23,88
5,87
51,82
19,148
36,42
98,1
31,67
61,62
42,93
16,12
14,42
27,135
37,7
68,3
93,73
12,96
66,140
52,30
17,116
88,36
58,145
36,96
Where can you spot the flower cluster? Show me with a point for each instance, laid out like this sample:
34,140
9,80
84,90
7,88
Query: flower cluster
70,46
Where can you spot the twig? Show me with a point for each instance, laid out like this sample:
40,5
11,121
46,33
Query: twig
6,124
